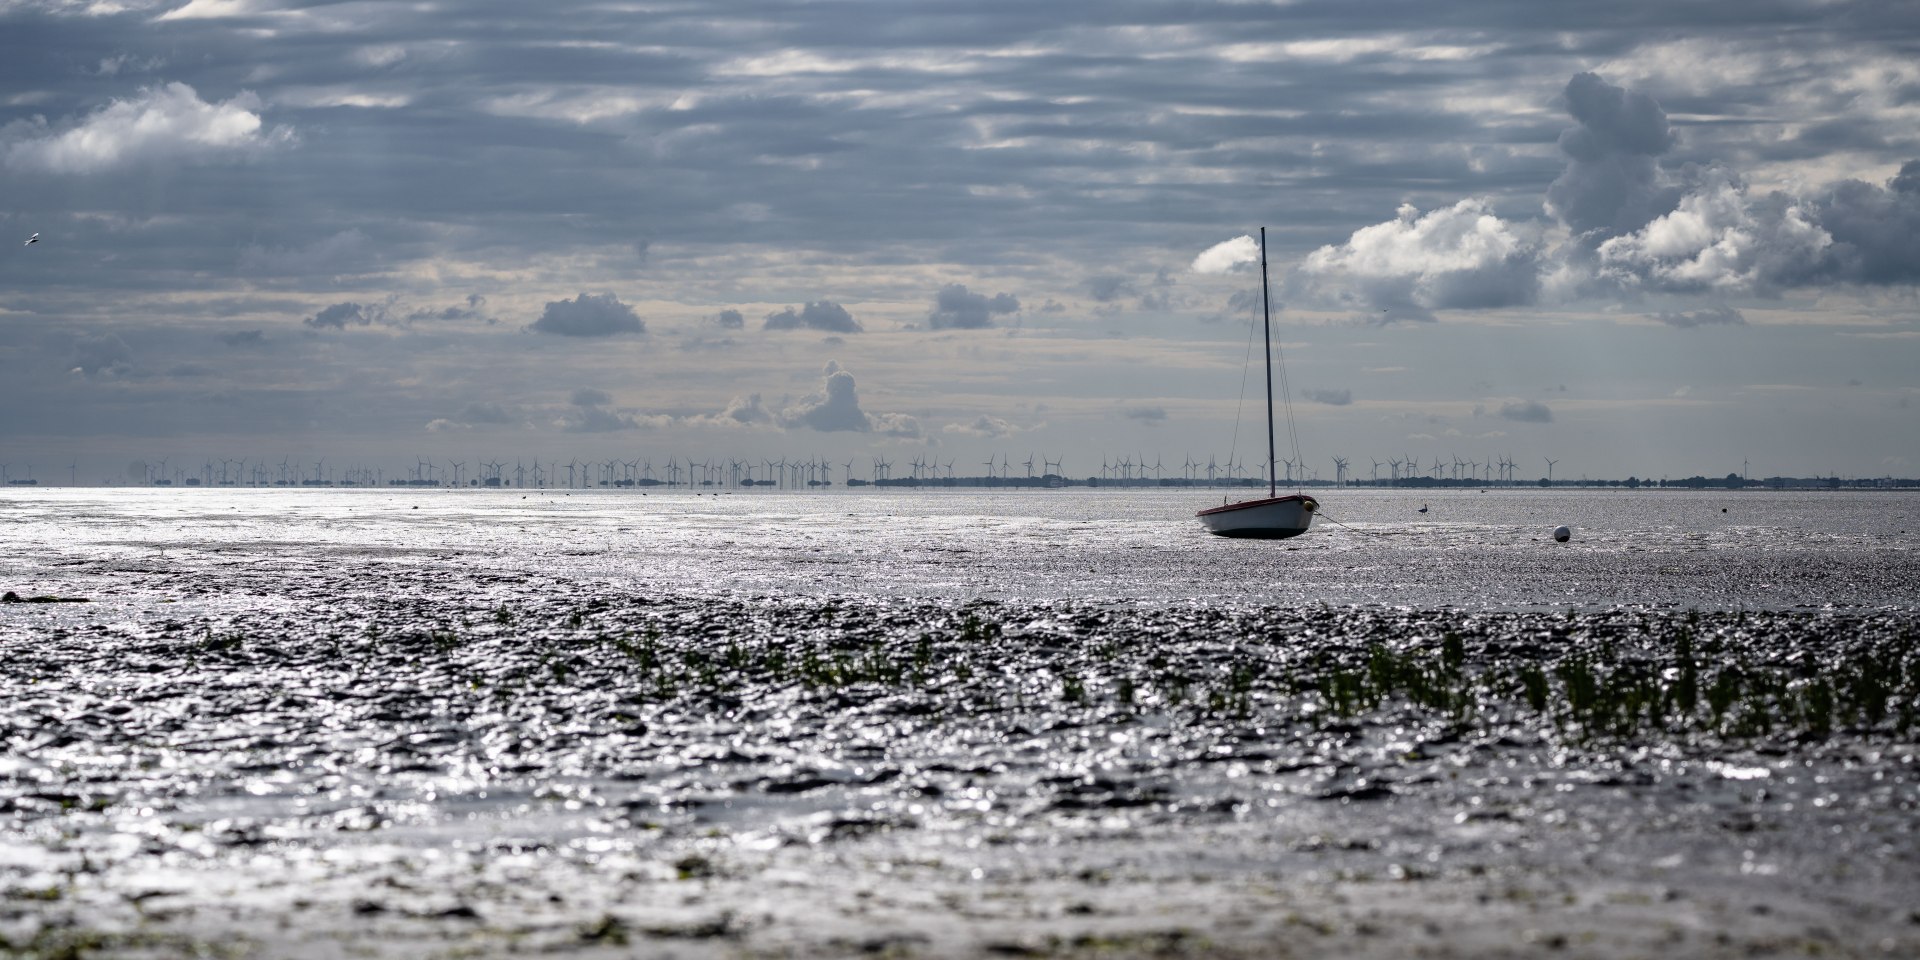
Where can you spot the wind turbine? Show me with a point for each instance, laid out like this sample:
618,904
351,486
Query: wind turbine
1550,462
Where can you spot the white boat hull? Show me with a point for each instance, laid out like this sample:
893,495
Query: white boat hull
1270,519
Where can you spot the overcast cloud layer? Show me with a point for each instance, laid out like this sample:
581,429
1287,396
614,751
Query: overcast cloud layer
1640,238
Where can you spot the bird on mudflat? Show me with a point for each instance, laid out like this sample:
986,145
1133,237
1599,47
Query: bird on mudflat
1423,508
32,240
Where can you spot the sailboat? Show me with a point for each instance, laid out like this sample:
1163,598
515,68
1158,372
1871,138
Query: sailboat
1273,517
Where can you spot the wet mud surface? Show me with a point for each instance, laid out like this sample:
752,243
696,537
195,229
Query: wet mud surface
764,777
290,743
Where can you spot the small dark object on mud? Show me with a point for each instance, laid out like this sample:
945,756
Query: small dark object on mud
1562,534
11,597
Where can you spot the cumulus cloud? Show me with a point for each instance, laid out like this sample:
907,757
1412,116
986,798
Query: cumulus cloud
1710,317
1227,255
1629,225
1336,398
746,411
956,308
590,397
1613,183
1526,411
1876,231
1718,239
820,315
1455,257
837,408
589,316
169,122
730,320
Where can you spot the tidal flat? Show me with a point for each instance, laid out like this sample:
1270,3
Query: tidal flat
432,748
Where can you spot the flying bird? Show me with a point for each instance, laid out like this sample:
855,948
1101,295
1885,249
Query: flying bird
32,240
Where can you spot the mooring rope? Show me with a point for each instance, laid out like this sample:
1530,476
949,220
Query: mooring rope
1323,515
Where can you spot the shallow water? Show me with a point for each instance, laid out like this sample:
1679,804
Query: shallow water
1750,550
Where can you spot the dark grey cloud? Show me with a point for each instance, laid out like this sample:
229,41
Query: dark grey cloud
818,315
1337,398
957,308
244,338
1719,315
474,309
1612,184
1147,415
730,320
589,315
590,397
343,315
1875,230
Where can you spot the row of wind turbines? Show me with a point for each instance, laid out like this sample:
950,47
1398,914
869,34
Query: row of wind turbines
810,472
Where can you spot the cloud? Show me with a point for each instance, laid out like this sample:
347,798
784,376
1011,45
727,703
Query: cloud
983,426
170,122
730,320
1108,289
1526,411
342,315
955,308
590,413
1875,231
1147,415
1227,255
1455,257
101,355
837,408
244,338
589,316
1630,226
820,315
1337,398
483,412
746,411
1712,316
1718,239
1612,183
471,311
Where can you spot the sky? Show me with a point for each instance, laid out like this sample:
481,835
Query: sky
1641,238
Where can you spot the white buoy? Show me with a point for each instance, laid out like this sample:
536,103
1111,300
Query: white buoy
1561,534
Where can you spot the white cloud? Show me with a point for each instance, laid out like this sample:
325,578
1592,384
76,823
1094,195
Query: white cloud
1716,239
168,122
211,10
1224,256
1458,256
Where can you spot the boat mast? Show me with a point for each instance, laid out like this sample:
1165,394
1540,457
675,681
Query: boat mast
1266,339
